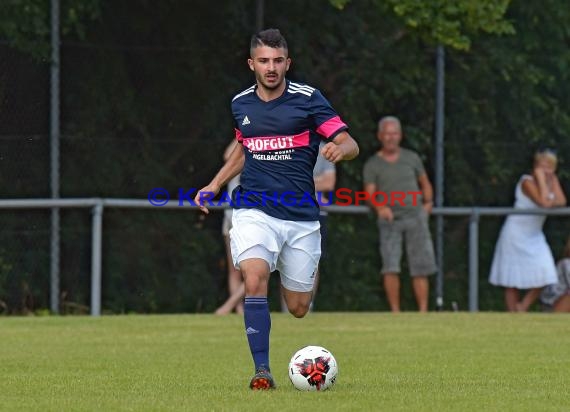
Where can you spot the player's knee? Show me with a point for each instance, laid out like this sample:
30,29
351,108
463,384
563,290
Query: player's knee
255,285
299,310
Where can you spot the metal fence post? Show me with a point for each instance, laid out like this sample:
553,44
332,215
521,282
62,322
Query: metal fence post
259,15
439,170
474,261
97,228
54,156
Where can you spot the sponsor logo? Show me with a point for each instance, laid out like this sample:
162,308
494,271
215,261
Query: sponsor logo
271,143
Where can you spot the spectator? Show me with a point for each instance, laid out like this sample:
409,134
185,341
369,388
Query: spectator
235,281
557,296
324,175
522,258
391,172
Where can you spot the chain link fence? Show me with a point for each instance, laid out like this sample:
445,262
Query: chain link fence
143,250
169,261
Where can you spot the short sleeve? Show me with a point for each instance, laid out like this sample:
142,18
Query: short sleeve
418,165
369,173
239,136
327,122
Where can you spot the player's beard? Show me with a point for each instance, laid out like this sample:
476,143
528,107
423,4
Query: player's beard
273,85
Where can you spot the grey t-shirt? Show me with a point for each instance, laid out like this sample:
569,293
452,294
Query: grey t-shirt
396,180
322,166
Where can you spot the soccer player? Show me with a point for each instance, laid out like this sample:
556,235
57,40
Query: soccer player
279,125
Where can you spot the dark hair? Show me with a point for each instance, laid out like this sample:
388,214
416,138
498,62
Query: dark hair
270,37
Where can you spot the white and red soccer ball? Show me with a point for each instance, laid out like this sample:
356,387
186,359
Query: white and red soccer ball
313,368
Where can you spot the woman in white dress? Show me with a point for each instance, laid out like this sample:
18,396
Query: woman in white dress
523,259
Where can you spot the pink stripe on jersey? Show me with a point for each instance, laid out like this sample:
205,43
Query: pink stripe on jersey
239,136
268,143
328,128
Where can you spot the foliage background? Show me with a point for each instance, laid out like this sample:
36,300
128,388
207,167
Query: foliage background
145,103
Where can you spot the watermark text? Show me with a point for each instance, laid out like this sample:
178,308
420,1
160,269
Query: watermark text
342,197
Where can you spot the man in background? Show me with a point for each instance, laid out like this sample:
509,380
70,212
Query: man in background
395,170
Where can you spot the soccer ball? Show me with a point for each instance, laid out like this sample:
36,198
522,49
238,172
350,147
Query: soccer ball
313,368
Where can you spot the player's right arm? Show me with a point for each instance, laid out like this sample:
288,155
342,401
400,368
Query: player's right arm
231,168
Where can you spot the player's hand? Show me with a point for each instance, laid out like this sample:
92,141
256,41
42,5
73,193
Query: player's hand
332,152
428,207
385,213
205,194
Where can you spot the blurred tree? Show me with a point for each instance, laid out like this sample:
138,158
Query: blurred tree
451,23
26,23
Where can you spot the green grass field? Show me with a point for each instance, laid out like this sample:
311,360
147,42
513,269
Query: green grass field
411,362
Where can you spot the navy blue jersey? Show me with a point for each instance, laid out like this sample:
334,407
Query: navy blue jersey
281,142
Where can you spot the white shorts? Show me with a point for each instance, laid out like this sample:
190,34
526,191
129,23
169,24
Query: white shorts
227,222
291,247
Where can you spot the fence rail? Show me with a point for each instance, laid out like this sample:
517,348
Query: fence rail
98,205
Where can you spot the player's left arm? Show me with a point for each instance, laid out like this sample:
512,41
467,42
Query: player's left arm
343,147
